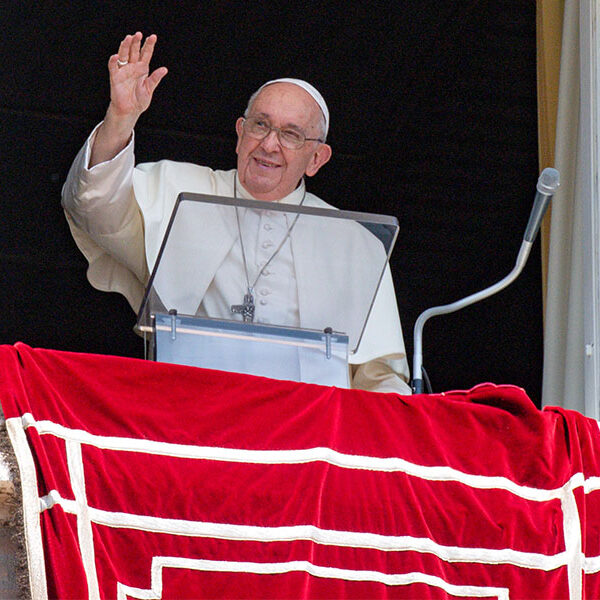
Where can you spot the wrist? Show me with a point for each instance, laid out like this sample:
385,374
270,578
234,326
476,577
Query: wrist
112,137
119,126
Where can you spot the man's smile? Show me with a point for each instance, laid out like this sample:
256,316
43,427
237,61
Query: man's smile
265,162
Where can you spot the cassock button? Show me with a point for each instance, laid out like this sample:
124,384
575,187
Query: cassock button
264,292
263,302
268,227
267,244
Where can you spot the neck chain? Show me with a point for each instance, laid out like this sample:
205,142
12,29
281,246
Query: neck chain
248,307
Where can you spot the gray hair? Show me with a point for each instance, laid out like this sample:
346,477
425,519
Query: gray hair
321,125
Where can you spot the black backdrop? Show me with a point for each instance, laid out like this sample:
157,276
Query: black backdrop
433,119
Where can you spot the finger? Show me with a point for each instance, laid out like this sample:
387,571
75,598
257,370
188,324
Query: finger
148,49
124,48
113,65
134,49
156,78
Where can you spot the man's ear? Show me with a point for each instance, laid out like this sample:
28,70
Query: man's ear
320,156
239,128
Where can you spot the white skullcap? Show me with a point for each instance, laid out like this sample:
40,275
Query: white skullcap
313,91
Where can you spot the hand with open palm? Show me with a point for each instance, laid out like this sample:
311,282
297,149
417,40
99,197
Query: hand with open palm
131,90
131,86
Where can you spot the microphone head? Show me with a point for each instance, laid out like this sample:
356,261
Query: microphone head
549,181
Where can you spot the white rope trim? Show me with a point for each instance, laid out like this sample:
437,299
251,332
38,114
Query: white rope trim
162,562
591,564
31,512
84,524
573,544
327,537
327,455
591,484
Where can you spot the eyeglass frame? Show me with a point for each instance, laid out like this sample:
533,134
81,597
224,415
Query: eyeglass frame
278,130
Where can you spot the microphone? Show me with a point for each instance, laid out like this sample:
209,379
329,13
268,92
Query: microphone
548,183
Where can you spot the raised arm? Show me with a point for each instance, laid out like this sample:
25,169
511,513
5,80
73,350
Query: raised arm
131,89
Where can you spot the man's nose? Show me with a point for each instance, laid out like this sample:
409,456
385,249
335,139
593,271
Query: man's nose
271,141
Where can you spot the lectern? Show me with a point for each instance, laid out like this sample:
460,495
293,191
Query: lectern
265,288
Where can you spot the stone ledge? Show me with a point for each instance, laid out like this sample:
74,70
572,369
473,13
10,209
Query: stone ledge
7,492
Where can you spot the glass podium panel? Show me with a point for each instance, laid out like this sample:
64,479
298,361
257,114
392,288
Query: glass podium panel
266,350
308,269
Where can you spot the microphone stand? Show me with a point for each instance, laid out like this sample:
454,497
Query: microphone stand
547,185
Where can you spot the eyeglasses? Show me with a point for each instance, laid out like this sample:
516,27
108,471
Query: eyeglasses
260,128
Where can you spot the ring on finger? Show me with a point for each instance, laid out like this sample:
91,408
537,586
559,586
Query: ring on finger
121,63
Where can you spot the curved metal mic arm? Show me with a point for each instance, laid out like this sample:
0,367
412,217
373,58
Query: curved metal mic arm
449,308
548,183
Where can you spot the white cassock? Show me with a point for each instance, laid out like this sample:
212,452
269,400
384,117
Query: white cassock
118,215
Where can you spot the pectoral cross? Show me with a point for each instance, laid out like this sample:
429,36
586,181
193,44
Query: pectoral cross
246,309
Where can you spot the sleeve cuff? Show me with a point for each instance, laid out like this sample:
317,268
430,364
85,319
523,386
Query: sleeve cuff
122,156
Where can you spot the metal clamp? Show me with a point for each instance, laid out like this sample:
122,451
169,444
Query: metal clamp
173,313
328,331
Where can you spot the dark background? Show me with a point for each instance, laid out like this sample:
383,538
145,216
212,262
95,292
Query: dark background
433,120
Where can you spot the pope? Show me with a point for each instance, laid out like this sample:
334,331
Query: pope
118,211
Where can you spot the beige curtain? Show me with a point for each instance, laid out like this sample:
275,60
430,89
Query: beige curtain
563,382
549,21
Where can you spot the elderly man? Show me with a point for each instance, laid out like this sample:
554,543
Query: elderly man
118,212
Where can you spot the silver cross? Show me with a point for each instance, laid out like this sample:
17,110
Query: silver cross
246,309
